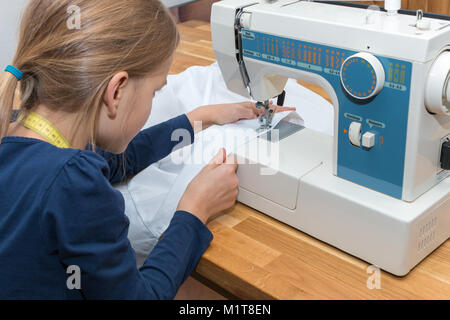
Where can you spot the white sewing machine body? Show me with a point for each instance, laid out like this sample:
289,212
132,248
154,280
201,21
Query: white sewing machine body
376,189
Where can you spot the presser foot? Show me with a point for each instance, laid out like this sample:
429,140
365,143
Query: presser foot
265,120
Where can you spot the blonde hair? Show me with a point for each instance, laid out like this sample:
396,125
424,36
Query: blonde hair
69,68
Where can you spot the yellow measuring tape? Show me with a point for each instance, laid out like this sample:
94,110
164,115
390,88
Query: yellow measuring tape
45,129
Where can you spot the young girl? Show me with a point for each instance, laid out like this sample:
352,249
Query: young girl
93,85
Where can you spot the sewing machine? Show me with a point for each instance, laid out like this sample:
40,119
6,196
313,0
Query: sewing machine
379,189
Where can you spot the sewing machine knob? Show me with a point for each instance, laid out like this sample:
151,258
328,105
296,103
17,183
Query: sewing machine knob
368,140
437,94
354,134
362,76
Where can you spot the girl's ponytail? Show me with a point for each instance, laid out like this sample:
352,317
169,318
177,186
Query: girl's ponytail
8,85
66,66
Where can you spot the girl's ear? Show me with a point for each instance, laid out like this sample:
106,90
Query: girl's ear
114,93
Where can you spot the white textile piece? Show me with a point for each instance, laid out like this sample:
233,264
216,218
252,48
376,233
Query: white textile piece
152,196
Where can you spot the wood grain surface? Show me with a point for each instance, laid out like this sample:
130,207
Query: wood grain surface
254,256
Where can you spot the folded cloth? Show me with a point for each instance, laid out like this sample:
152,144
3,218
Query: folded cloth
152,196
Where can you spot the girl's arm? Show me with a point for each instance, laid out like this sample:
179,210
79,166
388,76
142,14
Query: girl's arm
148,147
83,222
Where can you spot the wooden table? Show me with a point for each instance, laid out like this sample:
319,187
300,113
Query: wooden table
254,256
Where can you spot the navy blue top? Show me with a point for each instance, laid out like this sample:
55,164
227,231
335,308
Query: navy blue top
58,209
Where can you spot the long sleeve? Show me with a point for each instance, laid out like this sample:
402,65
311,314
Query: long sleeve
148,147
84,222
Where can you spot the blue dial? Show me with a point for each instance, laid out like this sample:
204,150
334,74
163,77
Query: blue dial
362,76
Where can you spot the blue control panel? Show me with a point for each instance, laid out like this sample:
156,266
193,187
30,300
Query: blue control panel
380,167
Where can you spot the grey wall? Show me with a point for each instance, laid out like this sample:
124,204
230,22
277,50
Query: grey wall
10,12
176,3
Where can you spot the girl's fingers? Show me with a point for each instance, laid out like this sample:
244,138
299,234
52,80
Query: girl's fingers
252,110
219,158
279,109
247,112
259,111
251,106
256,110
252,114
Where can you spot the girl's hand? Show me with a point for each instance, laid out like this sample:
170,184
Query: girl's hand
214,189
229,113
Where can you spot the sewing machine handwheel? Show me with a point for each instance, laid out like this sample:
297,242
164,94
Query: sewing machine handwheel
437,94
362,76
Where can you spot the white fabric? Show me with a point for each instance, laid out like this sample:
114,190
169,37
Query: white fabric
152,196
